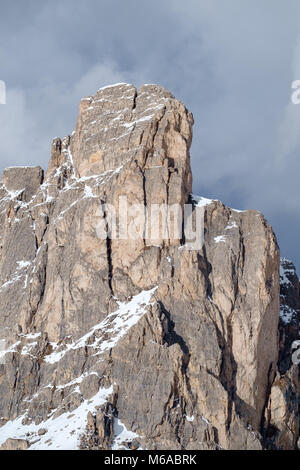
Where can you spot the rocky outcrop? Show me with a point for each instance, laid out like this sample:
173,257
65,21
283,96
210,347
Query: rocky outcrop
144,343
15,444
282,413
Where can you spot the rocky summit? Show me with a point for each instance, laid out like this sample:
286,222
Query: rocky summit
121,343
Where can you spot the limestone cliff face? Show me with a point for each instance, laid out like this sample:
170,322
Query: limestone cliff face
113,343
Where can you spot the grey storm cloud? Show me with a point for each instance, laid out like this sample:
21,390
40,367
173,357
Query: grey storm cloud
232,63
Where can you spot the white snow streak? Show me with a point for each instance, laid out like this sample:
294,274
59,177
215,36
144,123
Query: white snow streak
63,432
117,324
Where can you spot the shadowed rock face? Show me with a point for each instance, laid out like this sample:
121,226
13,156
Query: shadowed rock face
283,407
178,347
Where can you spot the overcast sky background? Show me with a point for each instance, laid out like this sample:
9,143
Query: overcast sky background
231,62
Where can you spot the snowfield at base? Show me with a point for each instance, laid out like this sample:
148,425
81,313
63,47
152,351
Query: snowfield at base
63,433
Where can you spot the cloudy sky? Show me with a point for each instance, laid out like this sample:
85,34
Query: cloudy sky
232,63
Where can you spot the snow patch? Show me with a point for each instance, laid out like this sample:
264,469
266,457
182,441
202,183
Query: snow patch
203,201
117,324
113,86
284,272
287,314
121,434
18,274
220,239
88,192
190,419
231,226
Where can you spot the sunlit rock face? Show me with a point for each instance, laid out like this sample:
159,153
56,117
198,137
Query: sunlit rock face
135,343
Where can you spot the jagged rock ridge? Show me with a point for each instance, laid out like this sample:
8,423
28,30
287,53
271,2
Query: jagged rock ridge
131,343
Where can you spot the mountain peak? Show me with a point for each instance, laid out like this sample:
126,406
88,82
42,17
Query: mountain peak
102,329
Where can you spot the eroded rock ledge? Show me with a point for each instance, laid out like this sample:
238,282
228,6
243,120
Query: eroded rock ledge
131,343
